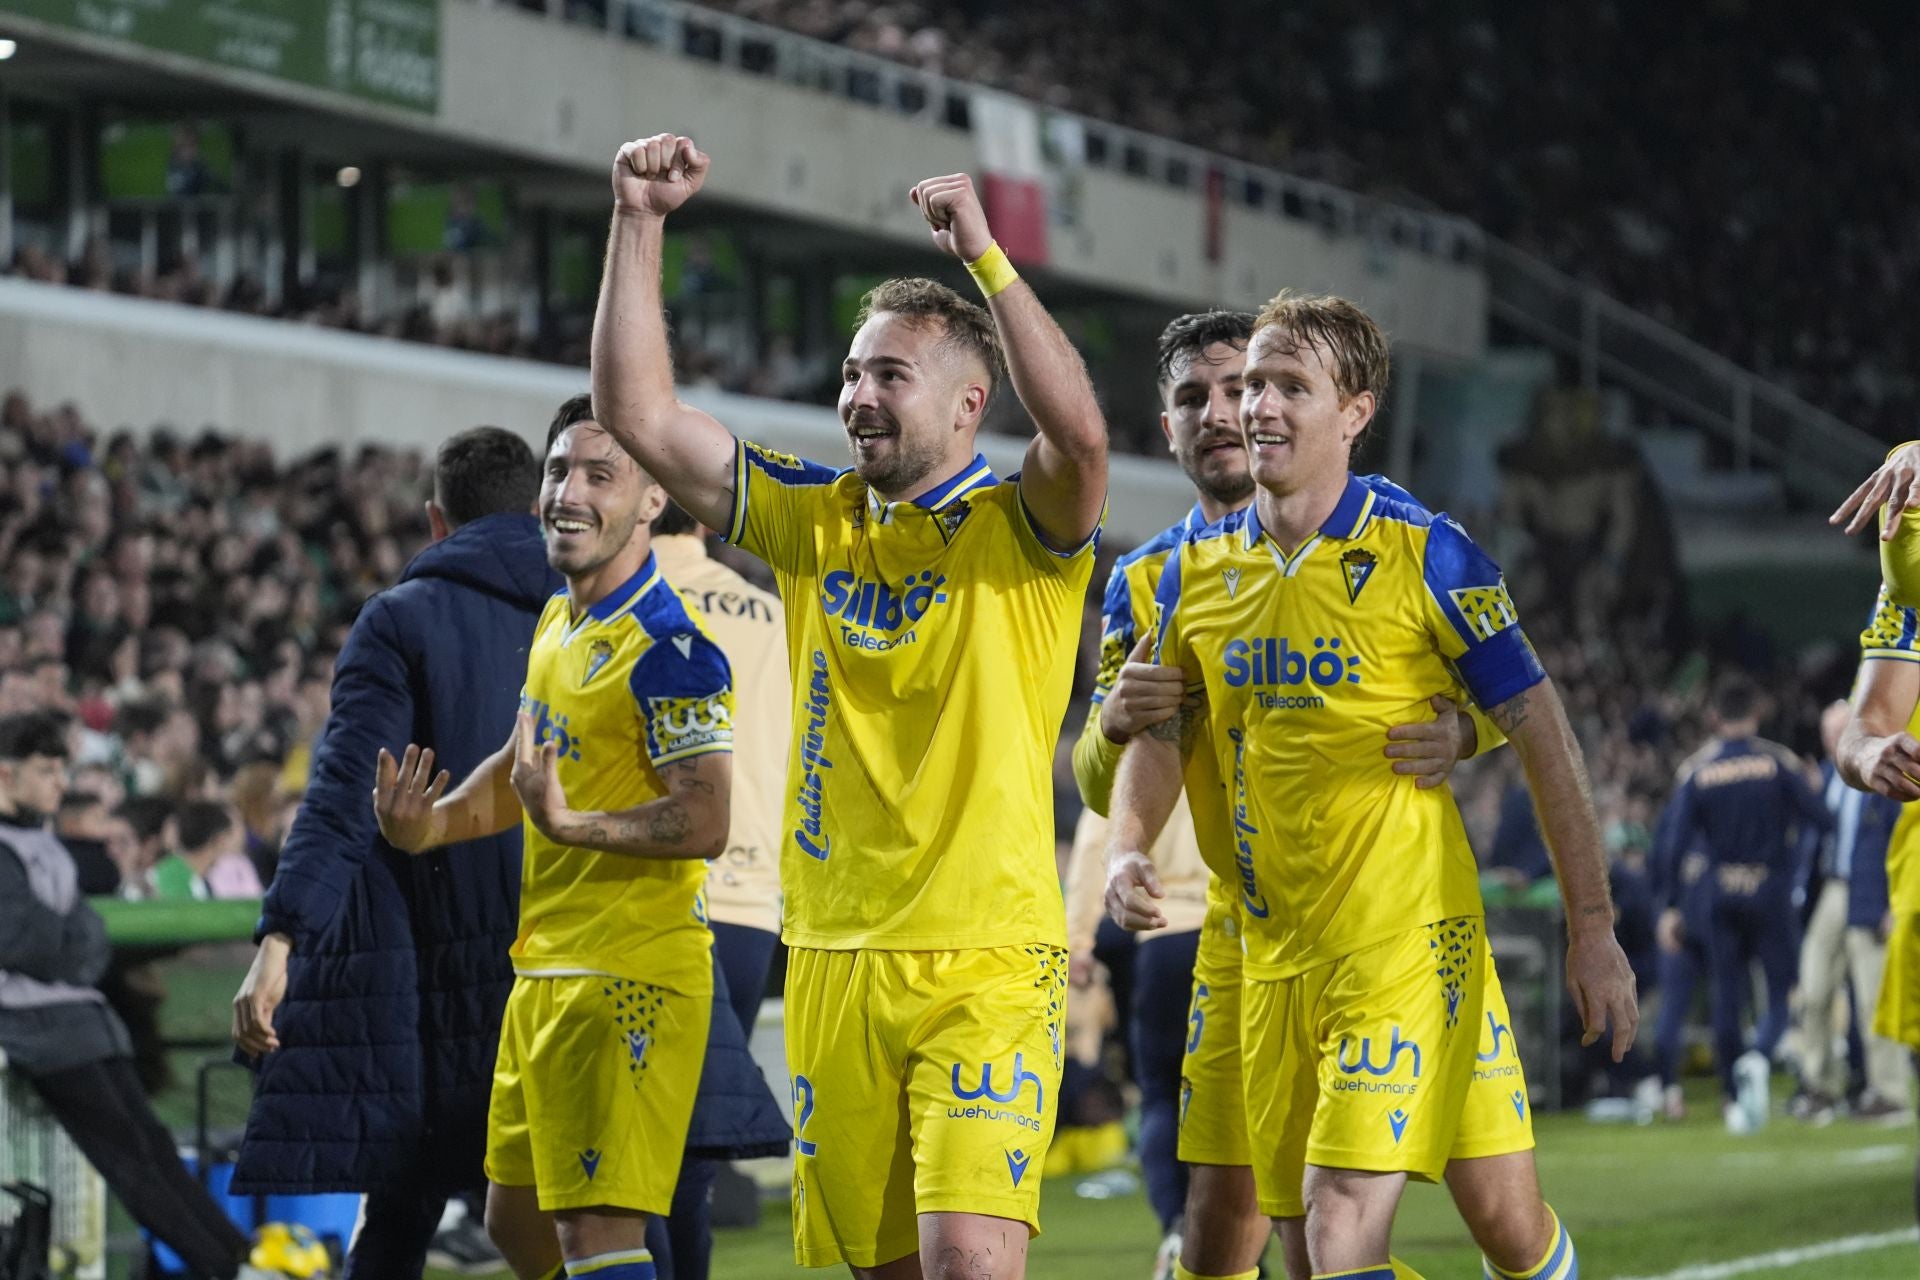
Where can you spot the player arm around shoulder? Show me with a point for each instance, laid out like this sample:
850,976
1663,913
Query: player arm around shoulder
1064,478
686,450
1598,976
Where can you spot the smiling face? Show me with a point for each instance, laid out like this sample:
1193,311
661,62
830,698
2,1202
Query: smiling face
593,497
1200,414
910,400
1299,430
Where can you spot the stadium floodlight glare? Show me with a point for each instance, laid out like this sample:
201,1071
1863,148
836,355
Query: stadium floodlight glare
8,48
348,177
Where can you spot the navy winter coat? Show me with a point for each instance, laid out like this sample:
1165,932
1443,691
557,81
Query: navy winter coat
399,969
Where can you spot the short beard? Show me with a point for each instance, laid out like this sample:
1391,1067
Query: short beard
611,546
1229,492
907,468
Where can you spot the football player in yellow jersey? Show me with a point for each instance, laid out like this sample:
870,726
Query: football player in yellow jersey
933,612
1878,750
1365,952
620,768
1490,1172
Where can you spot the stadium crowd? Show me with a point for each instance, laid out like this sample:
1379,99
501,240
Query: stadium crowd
1549,141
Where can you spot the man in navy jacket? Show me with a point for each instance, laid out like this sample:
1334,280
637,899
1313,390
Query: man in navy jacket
388,1019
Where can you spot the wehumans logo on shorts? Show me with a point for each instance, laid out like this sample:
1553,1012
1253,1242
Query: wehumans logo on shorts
813,841
1363,1061
1021,1078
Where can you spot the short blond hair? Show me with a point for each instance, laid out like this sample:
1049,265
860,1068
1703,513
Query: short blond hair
1345,335
967,325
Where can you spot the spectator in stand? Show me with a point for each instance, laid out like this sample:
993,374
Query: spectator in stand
56,1028
207,860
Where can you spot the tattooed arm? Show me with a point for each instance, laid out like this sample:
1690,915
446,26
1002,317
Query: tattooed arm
690,821
1145,788
1598,977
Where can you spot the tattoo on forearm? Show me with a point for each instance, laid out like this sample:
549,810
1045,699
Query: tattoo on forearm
1173,728
671,824
1512,713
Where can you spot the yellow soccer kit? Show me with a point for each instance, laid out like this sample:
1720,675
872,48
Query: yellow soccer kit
606,1028
1360,896
932,646
1893,634
743,884
1213,1106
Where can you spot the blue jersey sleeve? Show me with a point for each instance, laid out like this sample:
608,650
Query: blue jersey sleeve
1473,619
684,691
1117,634
1893,631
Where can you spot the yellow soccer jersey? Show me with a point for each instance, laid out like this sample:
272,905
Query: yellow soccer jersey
743,884
633,684
1304,662
1893,633
931,646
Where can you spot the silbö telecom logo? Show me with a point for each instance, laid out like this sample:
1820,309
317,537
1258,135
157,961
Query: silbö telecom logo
1271,662
875,616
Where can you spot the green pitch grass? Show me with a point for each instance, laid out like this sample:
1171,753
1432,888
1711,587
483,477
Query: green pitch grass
1641,1202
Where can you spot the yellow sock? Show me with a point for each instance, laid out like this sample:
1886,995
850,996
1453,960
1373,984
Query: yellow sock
1181,1273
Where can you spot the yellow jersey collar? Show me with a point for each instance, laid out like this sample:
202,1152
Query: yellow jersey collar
975,475
1349,517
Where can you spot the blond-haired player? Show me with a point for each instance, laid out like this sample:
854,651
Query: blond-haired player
1305,626
933,613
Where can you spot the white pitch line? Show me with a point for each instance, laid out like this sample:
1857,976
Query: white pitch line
1780,1259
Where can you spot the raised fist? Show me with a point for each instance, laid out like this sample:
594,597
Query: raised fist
952,208
657,175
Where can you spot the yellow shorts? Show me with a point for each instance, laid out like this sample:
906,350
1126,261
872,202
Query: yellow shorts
1213,1107
1897,1016
1365,1062
593,1090
1498,1119
923,1082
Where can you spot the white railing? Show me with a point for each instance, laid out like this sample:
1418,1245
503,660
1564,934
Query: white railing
35,1149
1817,456
753,48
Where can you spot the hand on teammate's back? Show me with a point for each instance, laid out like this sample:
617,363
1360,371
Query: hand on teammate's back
1132,887
953,210
1428,749
1895,483
403,797
1144,693
657,175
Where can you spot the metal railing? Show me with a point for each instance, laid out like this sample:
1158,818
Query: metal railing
754,48
35,1149
1818,457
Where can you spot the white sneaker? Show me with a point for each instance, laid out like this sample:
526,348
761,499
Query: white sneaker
1169,1253
1739,1122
